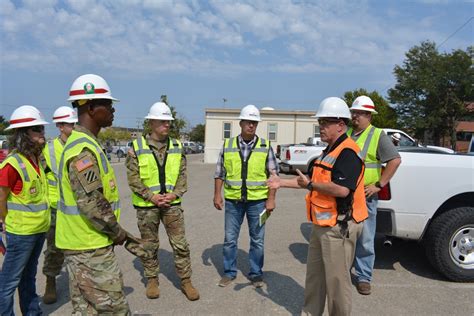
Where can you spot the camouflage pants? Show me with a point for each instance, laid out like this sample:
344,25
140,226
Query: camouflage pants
53,257
96,284
173,221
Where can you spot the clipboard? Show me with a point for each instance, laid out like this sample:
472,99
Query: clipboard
264,215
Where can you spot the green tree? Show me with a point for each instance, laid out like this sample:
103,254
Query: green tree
4,124
432,90
386,117
197,133
177,126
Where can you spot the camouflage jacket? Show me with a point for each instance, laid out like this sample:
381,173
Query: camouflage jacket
133,174
89,194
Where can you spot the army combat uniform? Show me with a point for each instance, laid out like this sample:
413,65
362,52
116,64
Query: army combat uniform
149,216
87,227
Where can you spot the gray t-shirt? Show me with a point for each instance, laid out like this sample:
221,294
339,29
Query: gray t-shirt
386,150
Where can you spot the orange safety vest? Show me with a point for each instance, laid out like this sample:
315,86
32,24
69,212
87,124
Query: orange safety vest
321,209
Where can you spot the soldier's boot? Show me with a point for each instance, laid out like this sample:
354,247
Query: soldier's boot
152,288
189,290
49,296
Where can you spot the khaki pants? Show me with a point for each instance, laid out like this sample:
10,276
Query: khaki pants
330,258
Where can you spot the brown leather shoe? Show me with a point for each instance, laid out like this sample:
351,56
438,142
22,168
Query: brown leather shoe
49,296
363,288
152,288
225,281
189,290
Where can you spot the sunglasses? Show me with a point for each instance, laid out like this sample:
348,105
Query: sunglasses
324,122
37,128
105,103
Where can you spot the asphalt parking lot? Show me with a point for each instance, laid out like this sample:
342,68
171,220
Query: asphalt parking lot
404,282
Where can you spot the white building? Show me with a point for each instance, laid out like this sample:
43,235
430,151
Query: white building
280,127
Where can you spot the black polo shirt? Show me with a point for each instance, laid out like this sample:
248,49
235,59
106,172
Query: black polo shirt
346,170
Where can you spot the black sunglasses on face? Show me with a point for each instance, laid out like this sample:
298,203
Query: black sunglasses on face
37,128
323,122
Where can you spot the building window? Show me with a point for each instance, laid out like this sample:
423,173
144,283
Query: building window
227,129
316,132
272,131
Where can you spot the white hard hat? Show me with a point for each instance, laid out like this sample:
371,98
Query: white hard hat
363,103
333,107
396,136
26,115
65,114
250,113
160,111
88,87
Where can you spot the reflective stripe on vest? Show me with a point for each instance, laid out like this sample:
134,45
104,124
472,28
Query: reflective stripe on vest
73,230
245,180
322,209
52,154
28,211
149,170
368,141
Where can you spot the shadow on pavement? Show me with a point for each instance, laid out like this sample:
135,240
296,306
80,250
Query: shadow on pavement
167,268
62,290
213,256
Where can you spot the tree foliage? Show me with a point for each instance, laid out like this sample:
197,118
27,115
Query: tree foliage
386,117
177,126
432,90
112,135
197,133
4,124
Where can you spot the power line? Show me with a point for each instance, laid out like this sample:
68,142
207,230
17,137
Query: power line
438,46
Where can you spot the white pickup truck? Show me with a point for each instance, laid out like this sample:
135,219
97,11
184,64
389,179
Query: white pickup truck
431,199
302,156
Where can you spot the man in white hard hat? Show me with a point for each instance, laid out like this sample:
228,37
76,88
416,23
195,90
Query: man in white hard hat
65,117
336,206
24,211
396,137
157,176
376,149
245,162
87,225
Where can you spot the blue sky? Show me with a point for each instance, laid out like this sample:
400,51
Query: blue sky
285,54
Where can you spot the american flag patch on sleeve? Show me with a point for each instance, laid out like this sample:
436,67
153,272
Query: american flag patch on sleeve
84,164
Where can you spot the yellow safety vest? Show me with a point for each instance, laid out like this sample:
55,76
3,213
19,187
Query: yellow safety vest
151,173
28,211
52,154
368,142
245,180
73,230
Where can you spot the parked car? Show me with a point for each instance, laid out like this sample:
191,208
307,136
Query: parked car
192,147
121,151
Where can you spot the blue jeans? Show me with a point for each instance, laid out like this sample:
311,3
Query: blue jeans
365,252
19,270
234,216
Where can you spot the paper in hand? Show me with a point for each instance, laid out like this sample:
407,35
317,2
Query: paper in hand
264,215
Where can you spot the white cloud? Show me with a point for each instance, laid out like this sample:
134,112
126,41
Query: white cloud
143,36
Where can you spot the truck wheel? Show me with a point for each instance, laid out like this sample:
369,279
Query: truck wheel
450,244
120,154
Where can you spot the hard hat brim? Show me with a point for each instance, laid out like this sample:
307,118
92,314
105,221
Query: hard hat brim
70,120
159,118
91,97
27,124
243,118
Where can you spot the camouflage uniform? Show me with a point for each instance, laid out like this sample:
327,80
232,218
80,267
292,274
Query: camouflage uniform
95,280
149,218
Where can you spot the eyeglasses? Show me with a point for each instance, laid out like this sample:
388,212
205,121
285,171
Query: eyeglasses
37,128
105,103
359,113
325,122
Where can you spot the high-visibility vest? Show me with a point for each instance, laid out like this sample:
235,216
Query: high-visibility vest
28,211
52,154
245,180
159,179
368,142
321,209
74,231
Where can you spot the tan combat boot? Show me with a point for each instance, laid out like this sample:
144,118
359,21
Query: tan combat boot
49,296
152,288
188,289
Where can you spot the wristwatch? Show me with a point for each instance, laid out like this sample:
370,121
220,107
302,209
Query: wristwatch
377,184
309,186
